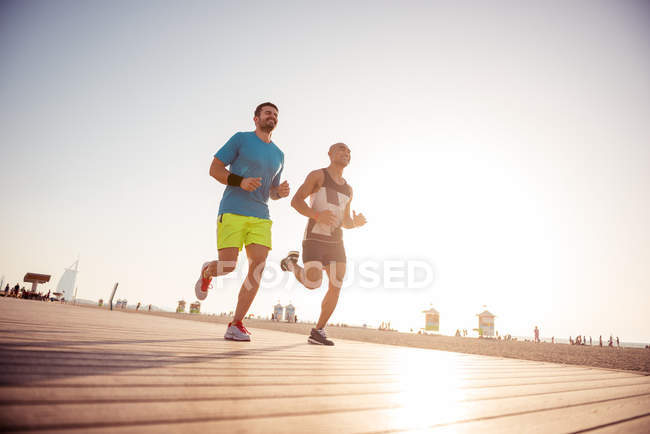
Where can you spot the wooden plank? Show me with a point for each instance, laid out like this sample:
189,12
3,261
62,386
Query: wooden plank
209,370
633,425
574,418
215,380
59,394
81,394
224,359
52,416
71,359
570,419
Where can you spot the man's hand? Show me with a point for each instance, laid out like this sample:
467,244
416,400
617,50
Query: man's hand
250,184
358,219
326,217
283,189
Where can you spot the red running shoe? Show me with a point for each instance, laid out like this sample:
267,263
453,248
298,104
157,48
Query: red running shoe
202,284
237,332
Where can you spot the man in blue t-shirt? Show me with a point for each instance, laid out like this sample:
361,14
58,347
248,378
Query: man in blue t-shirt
255,166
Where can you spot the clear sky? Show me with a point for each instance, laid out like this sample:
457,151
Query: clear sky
506,145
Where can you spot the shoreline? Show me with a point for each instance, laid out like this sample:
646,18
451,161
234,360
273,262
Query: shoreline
628,359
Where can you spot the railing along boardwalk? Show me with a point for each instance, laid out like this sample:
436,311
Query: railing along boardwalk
67,368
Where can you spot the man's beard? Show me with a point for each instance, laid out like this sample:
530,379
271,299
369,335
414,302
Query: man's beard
267,127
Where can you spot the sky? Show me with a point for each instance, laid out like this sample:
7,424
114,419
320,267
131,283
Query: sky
501,149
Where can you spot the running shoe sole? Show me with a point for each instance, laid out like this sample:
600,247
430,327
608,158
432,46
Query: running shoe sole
315,342
200,295
231,338
293,256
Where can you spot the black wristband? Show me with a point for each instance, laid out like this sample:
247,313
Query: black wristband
235,180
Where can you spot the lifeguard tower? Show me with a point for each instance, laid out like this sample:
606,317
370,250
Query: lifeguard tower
486,323
431,320
290,313
278,309
181,306
35,279
195,307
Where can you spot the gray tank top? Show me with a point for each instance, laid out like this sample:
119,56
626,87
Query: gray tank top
334,197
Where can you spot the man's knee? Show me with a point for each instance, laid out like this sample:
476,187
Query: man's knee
256,268
313,278
227,266
227,261
257,264
219,268
334,289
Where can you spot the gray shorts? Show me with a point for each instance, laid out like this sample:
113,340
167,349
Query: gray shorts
314,250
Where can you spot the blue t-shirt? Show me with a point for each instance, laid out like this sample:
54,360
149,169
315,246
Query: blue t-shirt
250,157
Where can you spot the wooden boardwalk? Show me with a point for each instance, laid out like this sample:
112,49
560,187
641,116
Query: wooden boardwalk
73,369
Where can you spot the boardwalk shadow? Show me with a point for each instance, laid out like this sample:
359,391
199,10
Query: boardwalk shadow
22,363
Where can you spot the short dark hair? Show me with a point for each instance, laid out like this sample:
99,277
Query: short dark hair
259,108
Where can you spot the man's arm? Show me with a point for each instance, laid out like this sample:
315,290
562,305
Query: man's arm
354,221
219,172
312,183
348,223
313,180
280,191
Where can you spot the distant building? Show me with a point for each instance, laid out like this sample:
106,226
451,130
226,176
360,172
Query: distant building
67,282
486,323
278,309
290,313
431,320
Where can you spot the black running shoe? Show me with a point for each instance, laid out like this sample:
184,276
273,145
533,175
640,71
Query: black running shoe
292,256
318,337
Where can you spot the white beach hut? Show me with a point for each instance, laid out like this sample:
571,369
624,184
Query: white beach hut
431,320
278,309
290,313
486,323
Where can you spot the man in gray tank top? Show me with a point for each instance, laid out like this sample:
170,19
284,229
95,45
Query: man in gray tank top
322,246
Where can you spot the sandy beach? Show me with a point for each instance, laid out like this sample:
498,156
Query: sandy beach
629,359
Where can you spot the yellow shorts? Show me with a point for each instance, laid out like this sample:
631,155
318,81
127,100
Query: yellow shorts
234,230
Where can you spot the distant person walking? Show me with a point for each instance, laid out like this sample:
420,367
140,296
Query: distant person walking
601,340
536,331
255,167
322,247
